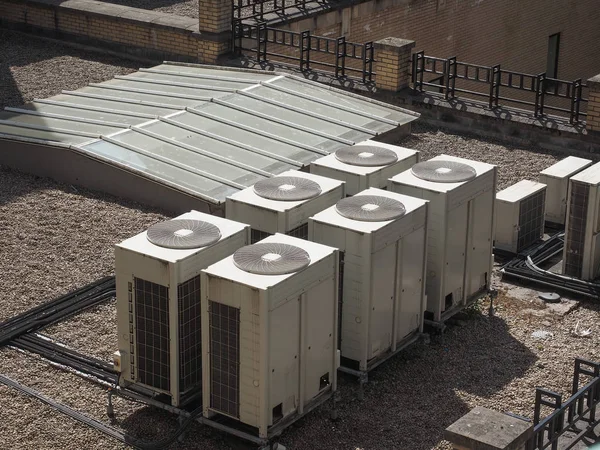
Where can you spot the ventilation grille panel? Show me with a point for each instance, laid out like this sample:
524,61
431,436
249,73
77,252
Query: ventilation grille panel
287,188
370,208
224,324
531,220
183,234
576,228
443,171
152,334
271,258
190,335
300,232
258,235
366,155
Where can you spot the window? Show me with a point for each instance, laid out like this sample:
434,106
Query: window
552,58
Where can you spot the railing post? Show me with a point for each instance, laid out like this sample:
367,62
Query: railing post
340,55
261,42
305,50
449,77
540,90
418,69
495,79
392,63
367,61
593,107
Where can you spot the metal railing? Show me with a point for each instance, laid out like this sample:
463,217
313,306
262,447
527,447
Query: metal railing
577,415
257,9
441,74
335,55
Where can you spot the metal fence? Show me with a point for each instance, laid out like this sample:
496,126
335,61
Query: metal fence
257,9
570,421
335,55
441,74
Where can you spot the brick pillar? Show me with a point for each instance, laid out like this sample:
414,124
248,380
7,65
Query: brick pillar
393,67
215,29
593,108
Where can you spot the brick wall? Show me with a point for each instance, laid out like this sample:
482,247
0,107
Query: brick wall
148,34
593,117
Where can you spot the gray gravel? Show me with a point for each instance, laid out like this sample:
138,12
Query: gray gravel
34,68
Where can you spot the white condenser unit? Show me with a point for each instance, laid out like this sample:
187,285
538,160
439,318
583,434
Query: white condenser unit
381,236
520,216
581,257
461,196
365,165
283,204
556,177
269,333
158,300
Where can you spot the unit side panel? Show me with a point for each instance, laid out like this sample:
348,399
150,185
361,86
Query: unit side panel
320,347
258,218
284,346
436,254
591,266
352,180
399,228
471,189
299,215
480,239
129,264
556,198
327,234
381,314
506,226
353,341
455,256
410,294
297,283
192,266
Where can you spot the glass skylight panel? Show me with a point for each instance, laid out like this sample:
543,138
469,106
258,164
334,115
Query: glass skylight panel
189,78
83,113
137,96
43,135
199,70
115,105
164,88
64,124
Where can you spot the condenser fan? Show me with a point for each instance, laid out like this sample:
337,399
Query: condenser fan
370,208
287,188
443,171
366,155
270,258
183,234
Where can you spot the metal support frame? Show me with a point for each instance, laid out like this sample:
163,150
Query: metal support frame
495,82
340,57
305,42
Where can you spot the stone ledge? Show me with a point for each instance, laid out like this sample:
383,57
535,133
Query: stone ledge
392,44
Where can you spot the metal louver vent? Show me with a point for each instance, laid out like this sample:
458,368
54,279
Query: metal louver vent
576,228
287,188
366,155
370,208
531,220
183,234
443,171
271,258
190,334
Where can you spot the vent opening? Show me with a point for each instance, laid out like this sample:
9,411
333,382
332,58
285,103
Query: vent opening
340,300
449,301
531,220
278,413
258,235
576,229
324,381
300,232
190,334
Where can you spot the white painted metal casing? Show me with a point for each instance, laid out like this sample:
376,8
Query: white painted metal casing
359,178
138,258
287,333
460,233
383,278
273,216
556,177
509,214
581,254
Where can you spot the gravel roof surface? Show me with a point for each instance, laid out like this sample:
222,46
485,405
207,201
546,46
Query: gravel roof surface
55,237
34,68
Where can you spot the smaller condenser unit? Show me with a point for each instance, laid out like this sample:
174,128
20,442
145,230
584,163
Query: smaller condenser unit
581,257
158,300
556,178
365,165
269,332
519,216
283,204
461,196
381,236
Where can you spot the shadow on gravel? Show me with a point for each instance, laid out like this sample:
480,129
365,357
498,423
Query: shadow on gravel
145,4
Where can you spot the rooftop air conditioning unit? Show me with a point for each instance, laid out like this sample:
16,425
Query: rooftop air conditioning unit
158,300
284,203
520,216
365,165
556,177
382,241
460,228
581,258
269,334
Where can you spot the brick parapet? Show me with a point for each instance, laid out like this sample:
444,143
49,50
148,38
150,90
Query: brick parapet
393,56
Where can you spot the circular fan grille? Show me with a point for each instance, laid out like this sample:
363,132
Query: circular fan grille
183,233
271,258
287,188
366,155
370,208
443,171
